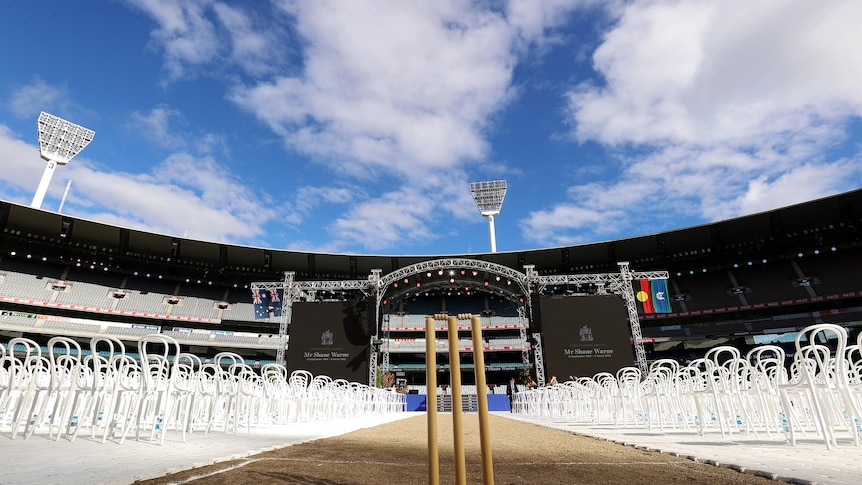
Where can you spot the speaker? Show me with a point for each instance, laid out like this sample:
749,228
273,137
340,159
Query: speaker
65,227
535,313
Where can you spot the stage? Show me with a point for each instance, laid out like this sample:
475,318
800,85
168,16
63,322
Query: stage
496,402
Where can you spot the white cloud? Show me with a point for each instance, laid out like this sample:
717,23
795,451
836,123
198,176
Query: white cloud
807,182
183,195
733,108
156,126
383,220
215,36
565,224
212,143
392,86
22,168
729,73
186,34
398,87
536,23
386,93
395,219
253,48
307,198
167,128
29,100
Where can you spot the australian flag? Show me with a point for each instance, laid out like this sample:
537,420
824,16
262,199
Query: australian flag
275,298
261,303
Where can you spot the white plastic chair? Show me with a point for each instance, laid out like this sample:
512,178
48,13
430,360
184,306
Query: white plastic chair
65,358
123,383
158,355
223,406
206,396
276,392
820,387
767,373
298,384
249,398
15,385
631,405
186,379
661,394
96,385
730,385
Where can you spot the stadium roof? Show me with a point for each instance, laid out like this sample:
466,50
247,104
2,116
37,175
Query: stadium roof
829,222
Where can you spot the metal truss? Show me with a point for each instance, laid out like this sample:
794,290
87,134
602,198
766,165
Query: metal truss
511,293
372,366
457,263
308,288
522,335
284,319
616,283
527,282
626,291
539,358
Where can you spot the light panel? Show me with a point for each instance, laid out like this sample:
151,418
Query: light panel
61,140
488,196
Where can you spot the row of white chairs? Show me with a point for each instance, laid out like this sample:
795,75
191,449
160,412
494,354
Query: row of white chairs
113,395
818,394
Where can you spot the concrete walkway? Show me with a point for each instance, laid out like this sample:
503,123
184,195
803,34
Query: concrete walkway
38,460
809,462
86,461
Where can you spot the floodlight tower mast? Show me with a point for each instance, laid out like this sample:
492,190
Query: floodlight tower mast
489,199
59,142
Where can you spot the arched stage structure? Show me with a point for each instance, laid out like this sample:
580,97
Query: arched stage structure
467,273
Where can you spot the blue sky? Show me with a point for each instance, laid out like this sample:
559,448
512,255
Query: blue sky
357,126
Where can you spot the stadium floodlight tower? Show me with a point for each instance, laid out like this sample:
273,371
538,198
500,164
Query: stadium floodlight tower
489,199
59,142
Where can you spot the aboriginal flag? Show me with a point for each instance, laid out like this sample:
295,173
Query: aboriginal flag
653,296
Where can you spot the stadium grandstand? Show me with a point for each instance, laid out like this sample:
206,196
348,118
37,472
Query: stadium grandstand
743,282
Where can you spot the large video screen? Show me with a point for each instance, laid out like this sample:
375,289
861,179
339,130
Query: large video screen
584,335
330,338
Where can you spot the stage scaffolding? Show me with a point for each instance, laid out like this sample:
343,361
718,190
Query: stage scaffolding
525,284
